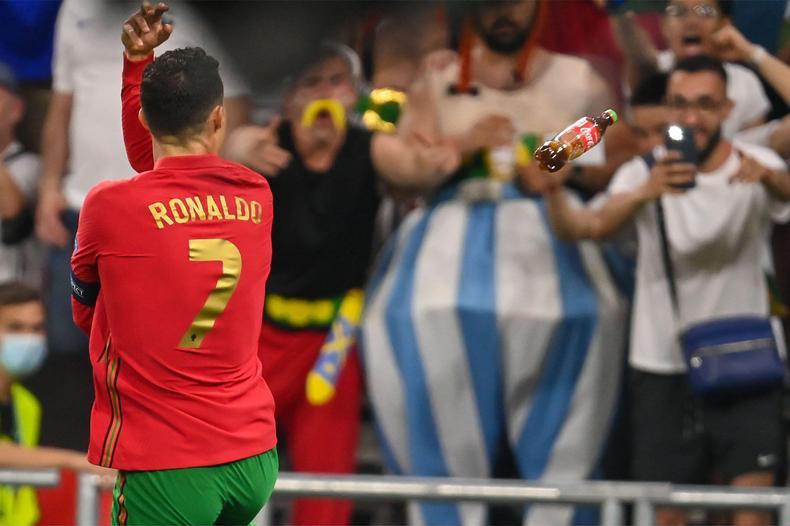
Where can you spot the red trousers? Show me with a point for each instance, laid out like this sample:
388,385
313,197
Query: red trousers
319,439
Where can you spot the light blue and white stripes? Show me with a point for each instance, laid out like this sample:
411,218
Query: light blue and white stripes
479,322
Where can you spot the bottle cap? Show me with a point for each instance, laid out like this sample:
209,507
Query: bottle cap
612,114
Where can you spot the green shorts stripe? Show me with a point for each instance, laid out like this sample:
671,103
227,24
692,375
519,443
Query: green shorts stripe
231,493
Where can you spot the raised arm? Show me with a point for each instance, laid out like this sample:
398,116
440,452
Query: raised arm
574,223
417,158
733,46
136,139
142,32
638,50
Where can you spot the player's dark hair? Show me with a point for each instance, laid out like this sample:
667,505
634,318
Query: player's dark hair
17,293
650,91
179,90
700,63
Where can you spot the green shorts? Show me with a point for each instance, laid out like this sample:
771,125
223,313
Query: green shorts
230,493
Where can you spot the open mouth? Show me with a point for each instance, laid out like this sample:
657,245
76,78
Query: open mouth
323,118
692,40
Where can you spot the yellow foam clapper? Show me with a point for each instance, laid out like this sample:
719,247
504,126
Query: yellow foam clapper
322,379
525,148
333,106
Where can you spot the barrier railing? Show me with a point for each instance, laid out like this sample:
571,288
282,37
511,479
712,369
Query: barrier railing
40,478
610,496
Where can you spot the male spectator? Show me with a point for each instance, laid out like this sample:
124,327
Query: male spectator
19,253
733,46
22,351
82,145
181,408
689,28
647,113
716,231
479,320
324,174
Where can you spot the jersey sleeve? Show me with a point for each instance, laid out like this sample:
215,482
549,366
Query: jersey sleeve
136,139
85,285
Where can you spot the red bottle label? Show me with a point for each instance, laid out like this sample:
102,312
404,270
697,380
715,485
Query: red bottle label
588,132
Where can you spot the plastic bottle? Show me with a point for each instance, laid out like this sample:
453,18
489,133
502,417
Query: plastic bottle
573,141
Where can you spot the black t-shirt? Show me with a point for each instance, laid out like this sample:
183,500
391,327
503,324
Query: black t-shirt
323,227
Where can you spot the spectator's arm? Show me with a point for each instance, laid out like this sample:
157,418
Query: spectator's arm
778,183
779,140
12,201
733,46
641,56
771,173
16,456
136,139
409,165
417,158
54,154
571,223
237,112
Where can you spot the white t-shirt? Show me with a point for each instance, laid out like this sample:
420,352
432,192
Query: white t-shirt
88,62
743,89
716,233
22,262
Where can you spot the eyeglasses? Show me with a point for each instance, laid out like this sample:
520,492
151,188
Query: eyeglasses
705,104
704,11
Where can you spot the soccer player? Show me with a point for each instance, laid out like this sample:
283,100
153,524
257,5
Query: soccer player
168,279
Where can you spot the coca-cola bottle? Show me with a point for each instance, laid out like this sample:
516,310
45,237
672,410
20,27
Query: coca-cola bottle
573,141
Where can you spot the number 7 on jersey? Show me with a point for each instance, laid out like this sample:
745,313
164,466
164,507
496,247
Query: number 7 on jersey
213,250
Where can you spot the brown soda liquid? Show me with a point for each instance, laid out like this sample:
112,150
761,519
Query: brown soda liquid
573,141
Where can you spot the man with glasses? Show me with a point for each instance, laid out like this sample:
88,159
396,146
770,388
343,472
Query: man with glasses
715,231
689,27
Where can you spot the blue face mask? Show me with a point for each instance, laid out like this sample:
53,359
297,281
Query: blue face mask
22,354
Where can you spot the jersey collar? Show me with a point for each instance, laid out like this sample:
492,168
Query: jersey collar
181,162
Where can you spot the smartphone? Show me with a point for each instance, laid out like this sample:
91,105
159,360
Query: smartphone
680,139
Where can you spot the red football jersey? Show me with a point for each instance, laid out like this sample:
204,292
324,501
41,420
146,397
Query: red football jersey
168,274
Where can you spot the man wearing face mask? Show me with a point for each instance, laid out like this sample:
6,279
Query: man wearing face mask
22,351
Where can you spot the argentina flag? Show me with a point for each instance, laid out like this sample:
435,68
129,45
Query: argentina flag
480,328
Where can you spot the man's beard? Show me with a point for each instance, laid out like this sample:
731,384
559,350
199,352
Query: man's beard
705,152
508,45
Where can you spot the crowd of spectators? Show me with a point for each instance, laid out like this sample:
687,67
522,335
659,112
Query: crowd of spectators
516,323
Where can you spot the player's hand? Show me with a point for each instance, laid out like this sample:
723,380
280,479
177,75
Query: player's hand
732,46
49,225
257,147
145,30
750,171
668,176
489,132
538,181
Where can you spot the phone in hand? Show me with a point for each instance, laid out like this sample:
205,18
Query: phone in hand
680,139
